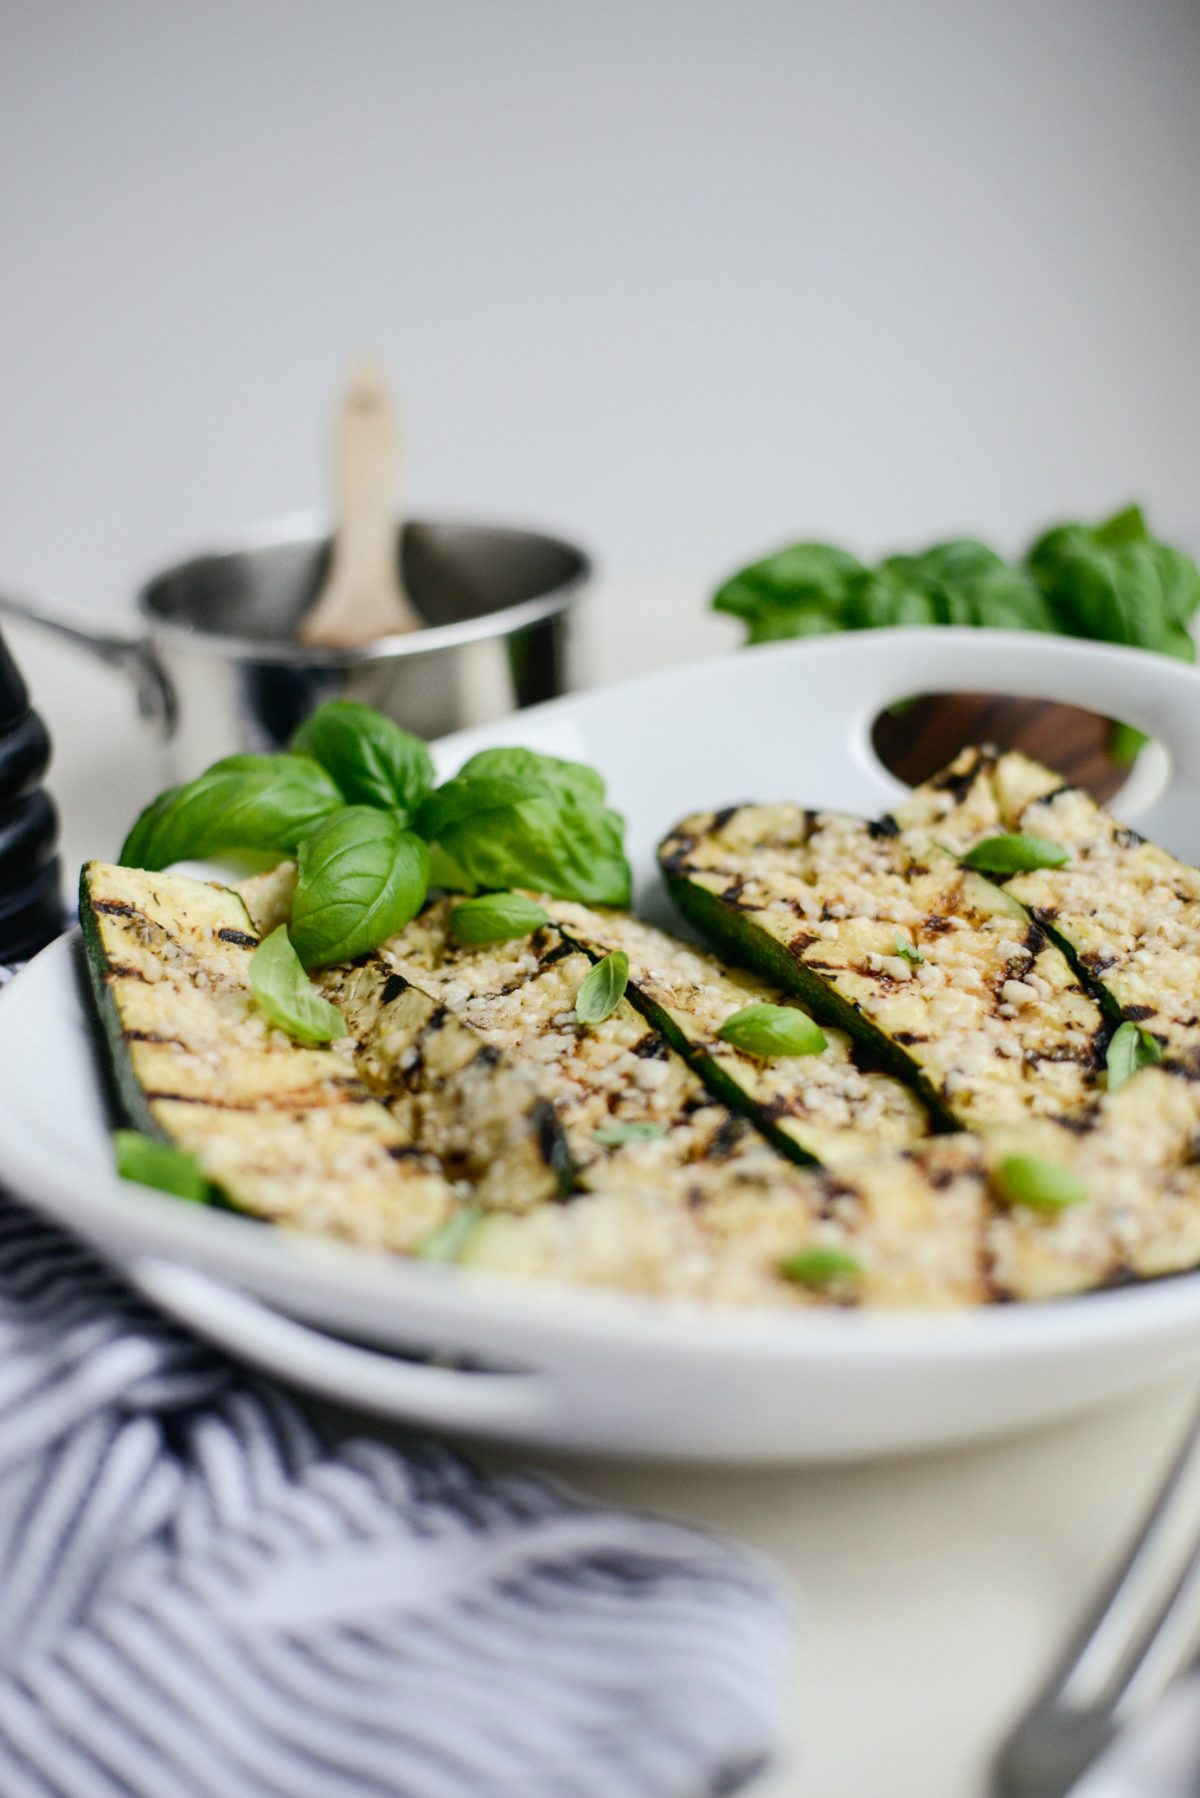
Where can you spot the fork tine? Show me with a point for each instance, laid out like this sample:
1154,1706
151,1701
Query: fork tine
1116,1660
1094,1652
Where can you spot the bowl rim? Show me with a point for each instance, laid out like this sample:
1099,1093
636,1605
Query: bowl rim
295,529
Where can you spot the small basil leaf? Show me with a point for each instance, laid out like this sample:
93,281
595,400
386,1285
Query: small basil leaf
1040,1185
908,951
528,765
1130,1050
268,802
603,989
447,1242
496,918
614,1136
362,876
287,997
1125,743
819,1267
372,760
150,1162
1015,854
773,1030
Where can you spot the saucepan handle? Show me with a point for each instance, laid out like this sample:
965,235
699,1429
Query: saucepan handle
343,1372
132,654
1157,694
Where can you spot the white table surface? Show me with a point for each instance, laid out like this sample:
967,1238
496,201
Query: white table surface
930,1592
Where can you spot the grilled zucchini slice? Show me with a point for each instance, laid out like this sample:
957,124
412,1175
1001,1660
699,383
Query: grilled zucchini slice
826,1108
939,973
1126,912
618,1075
923,1228
287,1133
459,1096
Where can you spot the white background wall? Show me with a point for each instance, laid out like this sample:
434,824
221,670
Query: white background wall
683,277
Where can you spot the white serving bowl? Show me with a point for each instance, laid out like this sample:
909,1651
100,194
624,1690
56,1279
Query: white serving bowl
590,1370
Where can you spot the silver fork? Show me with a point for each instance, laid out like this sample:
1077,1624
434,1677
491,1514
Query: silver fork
1134,1640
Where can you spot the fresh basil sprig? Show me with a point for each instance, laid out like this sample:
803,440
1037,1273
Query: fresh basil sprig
1016,853
1039,1185
372,760
287,997
496,918
150,1162
820,1266
353,801
1130,1050
812,588
264,802
603,988
1112,582
362,876
772,1031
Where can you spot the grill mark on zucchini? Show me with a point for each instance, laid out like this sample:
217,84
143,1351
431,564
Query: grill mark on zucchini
337,1092
827,1107
925,1225
241,938
971,1060
123,971
459,1097
285,1132
1125,913
521,996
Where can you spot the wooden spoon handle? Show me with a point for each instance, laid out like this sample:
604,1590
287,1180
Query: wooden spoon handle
363,596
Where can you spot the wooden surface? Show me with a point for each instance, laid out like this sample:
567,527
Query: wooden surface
923,736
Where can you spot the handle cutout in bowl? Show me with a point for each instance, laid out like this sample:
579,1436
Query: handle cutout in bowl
919,736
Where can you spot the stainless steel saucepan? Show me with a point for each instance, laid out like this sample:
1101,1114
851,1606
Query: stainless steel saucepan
218,669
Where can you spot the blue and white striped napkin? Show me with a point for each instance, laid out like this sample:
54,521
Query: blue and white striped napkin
202,1598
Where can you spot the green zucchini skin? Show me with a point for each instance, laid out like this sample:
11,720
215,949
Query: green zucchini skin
99,967
826,1108
714,1076
739,938
520,996
286,1132
1125,913
464,1100
939,973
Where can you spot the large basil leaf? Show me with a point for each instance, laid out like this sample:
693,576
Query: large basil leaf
265,802
372,760
530,765
1115,582
516,818
505,832
798,592
362,877
469,796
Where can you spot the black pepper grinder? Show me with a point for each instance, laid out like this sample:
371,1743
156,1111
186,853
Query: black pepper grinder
31,911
